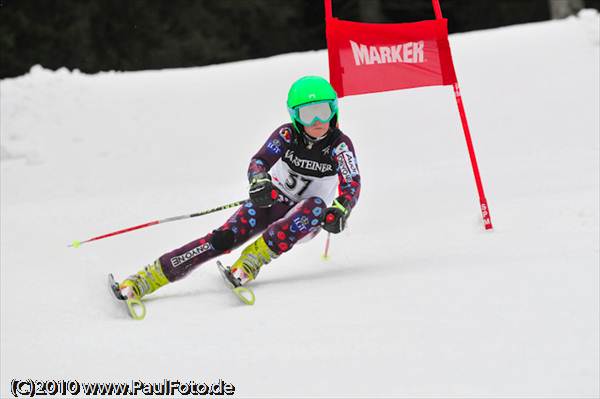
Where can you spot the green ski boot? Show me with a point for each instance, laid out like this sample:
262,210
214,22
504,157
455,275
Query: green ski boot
253,257
246,268
138,285
144,282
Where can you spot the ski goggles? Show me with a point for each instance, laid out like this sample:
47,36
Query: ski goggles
310,113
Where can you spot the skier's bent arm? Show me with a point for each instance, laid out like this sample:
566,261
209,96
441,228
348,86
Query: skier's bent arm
270,152
262,191
349,186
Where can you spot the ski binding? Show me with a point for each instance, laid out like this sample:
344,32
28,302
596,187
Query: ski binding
244,294
135,306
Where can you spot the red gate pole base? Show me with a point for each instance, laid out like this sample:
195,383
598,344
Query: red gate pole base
485,214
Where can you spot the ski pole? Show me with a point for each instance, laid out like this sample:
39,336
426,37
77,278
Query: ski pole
326,252
329,219
76,244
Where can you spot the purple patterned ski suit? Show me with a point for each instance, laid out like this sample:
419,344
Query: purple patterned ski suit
308,175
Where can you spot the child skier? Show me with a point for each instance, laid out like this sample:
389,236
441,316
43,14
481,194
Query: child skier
293,178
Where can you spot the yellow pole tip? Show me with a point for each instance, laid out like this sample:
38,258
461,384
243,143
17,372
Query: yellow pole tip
76,244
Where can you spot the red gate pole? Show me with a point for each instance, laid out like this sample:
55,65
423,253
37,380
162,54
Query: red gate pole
485,210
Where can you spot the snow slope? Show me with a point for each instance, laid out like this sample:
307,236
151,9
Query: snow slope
417,299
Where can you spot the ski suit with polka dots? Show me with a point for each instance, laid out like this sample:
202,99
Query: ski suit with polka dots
308,175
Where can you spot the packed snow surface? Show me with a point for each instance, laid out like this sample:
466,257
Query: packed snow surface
417,299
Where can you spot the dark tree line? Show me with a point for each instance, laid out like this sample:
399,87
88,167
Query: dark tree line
99,35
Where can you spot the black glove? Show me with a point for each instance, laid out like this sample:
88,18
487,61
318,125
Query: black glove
262,191
336,215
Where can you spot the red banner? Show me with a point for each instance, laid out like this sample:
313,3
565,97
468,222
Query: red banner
369,58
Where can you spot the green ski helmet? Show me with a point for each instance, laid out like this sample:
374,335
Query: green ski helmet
310,90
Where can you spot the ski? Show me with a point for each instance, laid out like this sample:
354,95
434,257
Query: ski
244,294
135,307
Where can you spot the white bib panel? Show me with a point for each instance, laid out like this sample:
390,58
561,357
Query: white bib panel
298,187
